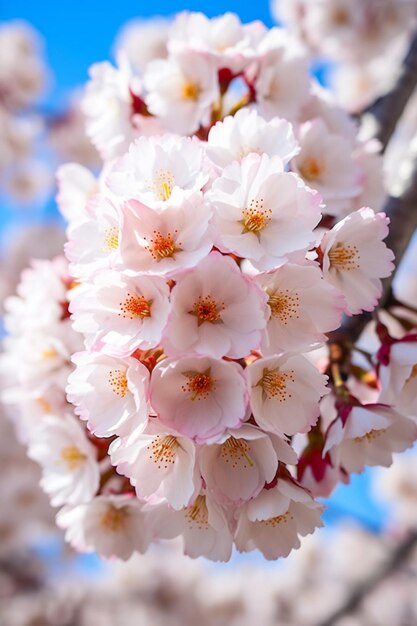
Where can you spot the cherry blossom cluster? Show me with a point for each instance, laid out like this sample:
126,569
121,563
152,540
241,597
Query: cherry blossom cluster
22,79
226,235
30,137
367,40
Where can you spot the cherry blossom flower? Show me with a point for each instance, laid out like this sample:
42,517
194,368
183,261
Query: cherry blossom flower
302,307
120,313
263,213
181,90
326,163
203,526
109,525
273,521
165,242
70,469
236,136
212,318
93,243
285,393
223,39
109,106
239,464
160,464
398,378
369,436
143,41
355,258
159,171
199,397
76,185
282,83
109,393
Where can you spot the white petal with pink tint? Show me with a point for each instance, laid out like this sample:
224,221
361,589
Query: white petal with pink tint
302,306
262,213
159,463
274,520
165,242
285,393
238,465
93,243
237,136
110,393
203,526
119,314
111,525
159,170
216,311
199,397
355,258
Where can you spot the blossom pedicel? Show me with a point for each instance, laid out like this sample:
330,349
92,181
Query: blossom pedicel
170,373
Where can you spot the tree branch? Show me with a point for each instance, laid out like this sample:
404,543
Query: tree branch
401,208
394,562
382,116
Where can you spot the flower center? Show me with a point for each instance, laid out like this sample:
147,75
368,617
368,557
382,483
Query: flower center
279,519
255,217
163,185
190,91
118,382
371,436
113,519
235,450
284,305
197,513
163,246
49,354
274,384
207,310
246,149
199,384
135,307
163,451
72,457
311,169
111,240
343,257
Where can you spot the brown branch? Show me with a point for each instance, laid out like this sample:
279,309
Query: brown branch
396,559
382,116
401,208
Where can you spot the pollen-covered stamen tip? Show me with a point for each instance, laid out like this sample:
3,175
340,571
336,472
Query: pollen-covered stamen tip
255,217
72,457
274,384
114,519
197,513
344,257
118,382
135,307
199,384
163,450
163,246
284,304
207,310
163,185
111,240
235,450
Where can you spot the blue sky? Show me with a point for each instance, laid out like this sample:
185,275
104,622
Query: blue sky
80,33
